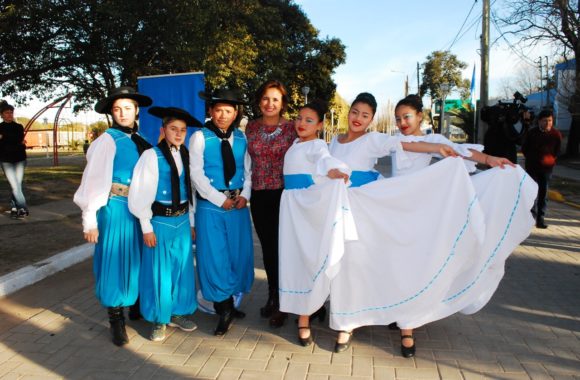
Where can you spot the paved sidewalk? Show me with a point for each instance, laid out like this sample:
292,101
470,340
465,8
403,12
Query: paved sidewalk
529,330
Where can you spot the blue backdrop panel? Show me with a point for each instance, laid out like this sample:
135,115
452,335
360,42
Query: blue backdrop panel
173,90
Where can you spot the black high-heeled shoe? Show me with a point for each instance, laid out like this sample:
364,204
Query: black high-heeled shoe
407,352
305,342
340,347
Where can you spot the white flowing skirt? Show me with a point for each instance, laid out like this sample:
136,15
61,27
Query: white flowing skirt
315,223
428,244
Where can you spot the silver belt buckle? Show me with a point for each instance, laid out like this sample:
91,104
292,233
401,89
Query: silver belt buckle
227,193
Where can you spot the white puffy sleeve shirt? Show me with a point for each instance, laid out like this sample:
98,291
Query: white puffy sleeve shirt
198,178
362,154
93,193
144,188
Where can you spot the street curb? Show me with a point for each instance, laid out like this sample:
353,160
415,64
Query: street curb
556,196
31,274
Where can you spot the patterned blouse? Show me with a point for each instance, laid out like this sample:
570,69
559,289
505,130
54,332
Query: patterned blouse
267,146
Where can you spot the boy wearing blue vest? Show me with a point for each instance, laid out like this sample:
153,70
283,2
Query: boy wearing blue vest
102,196
221,175
161,198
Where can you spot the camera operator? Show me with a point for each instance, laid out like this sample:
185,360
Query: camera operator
502,136
540,147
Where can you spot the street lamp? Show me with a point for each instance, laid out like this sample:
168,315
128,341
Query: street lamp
305,91
444,89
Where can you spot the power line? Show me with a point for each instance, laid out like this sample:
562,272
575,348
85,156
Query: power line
462,25
509,44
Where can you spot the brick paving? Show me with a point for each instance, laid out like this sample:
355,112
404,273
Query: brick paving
529,330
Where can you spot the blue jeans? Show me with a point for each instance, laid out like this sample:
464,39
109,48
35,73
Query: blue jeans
14,172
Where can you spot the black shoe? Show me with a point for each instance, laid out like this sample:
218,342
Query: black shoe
393,326
224,324
407,352
225,309
23,213
270,307
305,342
117,322
541,224
278,318
340,347
135,312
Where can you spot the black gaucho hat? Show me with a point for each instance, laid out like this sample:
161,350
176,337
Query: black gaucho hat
224,95
5,106
104,105
178,113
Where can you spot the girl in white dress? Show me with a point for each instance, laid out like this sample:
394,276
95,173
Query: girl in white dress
360,150
315,221
505,197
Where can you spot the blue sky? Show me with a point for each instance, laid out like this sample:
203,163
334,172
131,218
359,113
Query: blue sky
385,39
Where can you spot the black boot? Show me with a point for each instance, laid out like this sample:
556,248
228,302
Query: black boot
270,306
135,312
225,309
117,321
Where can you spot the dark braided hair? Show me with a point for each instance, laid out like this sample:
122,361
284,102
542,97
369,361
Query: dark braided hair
413,101
366,98
318,106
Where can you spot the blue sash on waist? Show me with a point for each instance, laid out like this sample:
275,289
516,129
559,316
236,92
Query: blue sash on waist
359,178
297,181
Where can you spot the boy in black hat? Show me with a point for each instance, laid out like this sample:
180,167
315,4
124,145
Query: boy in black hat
102,196
221,174
161,198
13,159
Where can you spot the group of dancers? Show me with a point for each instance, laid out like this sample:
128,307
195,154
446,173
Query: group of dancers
403,251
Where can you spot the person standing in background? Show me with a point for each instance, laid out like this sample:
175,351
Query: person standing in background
269,137
13,159
541,146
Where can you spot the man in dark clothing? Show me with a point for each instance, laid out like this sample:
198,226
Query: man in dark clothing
13,159
540,148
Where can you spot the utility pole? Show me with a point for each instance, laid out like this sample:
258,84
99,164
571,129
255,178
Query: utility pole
541,83
418,82
484,84
547,83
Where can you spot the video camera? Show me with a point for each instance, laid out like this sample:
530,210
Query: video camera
503,135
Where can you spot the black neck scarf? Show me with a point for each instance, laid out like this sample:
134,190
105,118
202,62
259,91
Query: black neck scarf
140,142
175,192
227,152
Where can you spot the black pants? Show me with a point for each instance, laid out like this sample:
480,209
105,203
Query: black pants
265,209
543,180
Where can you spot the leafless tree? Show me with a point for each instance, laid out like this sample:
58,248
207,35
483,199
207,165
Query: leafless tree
557,23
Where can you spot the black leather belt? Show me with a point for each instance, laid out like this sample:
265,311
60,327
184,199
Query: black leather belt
159,209
231,194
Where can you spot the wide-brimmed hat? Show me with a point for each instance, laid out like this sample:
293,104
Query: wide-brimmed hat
104,105
178,113
223,95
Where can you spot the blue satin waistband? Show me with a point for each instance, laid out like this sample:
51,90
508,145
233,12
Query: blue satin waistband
297,181
359,178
